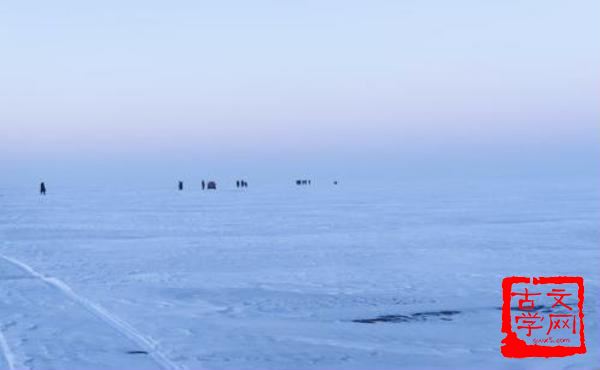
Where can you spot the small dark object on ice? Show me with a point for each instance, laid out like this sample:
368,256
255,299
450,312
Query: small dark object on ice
302,182
137,352
211,185
43,189
418,316
180,185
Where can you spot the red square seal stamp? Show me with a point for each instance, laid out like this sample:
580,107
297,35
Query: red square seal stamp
542,317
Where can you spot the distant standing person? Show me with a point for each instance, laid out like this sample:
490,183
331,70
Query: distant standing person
180,185
203,185
43,189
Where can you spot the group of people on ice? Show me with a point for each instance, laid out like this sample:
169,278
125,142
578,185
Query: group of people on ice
210,185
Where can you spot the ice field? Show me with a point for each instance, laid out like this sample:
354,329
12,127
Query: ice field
285,277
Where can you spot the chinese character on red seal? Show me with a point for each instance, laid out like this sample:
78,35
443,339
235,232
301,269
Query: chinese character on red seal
542,317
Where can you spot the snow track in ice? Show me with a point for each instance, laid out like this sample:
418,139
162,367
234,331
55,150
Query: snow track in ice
7,352
115,322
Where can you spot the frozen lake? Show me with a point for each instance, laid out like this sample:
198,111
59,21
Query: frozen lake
285,277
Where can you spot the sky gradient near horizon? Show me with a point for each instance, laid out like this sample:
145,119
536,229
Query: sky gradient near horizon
341,87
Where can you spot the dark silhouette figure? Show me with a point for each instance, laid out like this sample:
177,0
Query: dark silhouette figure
203,185
335,182
180,185
237,184
303,182
43,189
211,185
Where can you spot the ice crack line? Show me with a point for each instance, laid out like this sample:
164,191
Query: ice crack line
115,322
7,352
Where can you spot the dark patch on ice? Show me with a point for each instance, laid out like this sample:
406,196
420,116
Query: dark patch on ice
137,352
445,315
541,308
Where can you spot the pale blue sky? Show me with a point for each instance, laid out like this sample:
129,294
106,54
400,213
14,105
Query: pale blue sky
341,87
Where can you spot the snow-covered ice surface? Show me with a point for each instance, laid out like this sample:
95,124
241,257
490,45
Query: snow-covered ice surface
281,277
